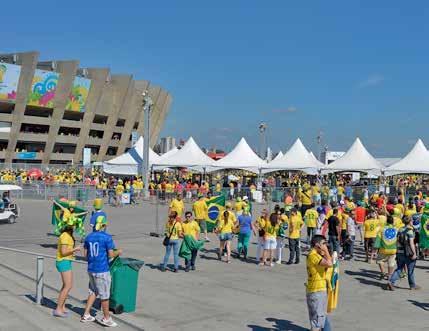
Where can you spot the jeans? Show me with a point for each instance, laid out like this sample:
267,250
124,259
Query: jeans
334,244
349,246
111,198
243,243
401,261
310,234
294,250
191,262
175,244
327,326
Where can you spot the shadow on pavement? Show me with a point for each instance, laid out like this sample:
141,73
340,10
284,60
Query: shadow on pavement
279,325
422,305
50,304
364,273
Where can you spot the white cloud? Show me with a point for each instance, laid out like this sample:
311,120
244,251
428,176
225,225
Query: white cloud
372,81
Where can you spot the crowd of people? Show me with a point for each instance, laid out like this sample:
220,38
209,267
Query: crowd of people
392,231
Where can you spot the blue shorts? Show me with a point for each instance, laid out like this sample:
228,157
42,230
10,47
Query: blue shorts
225,237
64,265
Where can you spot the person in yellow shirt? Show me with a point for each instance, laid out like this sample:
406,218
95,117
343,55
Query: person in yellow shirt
281,235
310,218
411,209
305,199
218,188
65,256
271,228
168,190
318,261
119,190
371,226
224,230
397,219
295,225
200,210
239,205
173,233
259,224
177,205
191,228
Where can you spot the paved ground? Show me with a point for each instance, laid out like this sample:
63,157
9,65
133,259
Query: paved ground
218,296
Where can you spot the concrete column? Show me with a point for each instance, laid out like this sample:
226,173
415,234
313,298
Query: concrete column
67,70
164,113
28,62
134,112
119,91
98,81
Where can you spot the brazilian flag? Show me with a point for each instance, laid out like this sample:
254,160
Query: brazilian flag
333,280
57,221
424,231
215,206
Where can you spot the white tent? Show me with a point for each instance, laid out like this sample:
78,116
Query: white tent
321,165
296,158
169,153
189,156
416,161
356,159
241,157
130,162
278,156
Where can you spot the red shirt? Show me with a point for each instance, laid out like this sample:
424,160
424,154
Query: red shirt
360,214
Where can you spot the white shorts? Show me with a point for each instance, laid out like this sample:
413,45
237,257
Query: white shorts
99,284
270,243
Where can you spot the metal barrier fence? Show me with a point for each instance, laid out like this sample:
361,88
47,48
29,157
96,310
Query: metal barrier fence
40,191
43,167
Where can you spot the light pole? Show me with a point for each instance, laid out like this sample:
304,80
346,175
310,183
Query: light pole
319,142
147,108
262,128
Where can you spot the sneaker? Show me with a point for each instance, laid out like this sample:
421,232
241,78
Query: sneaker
207,240
382,276
108,322
193,268
297,262
175,270
289,262
162,268
272,264
187,269
416,288
278,262
87,318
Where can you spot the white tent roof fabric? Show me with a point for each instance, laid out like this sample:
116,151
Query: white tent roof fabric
241,157
356,159
296,158
169,153
189,156
278,156
129,163
416,161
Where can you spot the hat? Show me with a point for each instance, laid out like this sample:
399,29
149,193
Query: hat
228,205
98,204
245,198
100,222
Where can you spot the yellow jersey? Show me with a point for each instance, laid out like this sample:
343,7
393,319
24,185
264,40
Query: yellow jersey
316,273
191,228
175,232
65,239
295,225
177,206
225,227
370,228
200,210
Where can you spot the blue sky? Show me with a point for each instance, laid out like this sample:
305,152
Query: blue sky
347,68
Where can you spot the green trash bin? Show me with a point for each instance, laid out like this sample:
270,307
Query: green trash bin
123,292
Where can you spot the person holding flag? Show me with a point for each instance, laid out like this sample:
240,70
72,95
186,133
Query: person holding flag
424,231
200,210
98,207
318,261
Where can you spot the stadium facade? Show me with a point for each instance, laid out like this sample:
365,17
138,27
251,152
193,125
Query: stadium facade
50,111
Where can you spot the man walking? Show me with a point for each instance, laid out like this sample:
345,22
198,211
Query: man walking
295,226
318,260
406,256
386,244
98,248
201,214
191,227
334,229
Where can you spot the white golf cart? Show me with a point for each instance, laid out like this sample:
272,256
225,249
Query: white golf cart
9,211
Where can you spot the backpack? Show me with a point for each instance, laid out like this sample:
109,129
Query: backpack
404,241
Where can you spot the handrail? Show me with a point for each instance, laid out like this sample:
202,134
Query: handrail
35,254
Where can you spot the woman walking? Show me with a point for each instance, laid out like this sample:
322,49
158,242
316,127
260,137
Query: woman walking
246,229
259,226
224,229
65,256
271,228
173,231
